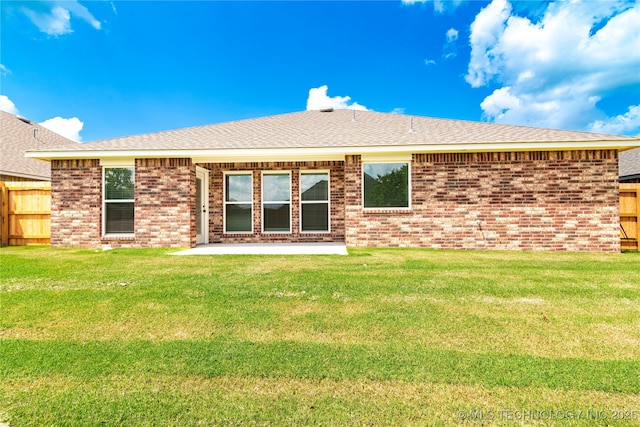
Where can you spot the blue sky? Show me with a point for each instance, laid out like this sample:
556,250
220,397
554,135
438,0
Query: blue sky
99,69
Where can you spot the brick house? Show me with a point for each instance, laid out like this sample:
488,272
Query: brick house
363,178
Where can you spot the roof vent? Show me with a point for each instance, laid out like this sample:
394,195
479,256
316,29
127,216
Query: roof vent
326,110
23,119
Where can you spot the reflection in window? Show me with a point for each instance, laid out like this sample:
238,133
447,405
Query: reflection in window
238,203
276,202
314,201
118,201
386,185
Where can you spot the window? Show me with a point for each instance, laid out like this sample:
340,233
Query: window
238,203
276,202
118,200
314,201
385,185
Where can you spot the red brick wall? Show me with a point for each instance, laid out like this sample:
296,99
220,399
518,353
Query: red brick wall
553,201
164,204
76,203
556,201
216,202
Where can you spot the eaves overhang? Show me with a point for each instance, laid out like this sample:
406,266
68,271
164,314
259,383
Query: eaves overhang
324,153
25,175
627,178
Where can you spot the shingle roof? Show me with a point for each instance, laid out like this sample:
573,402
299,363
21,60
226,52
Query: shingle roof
630,163
18,135
315,129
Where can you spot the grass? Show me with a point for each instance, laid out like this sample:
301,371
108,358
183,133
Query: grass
381,337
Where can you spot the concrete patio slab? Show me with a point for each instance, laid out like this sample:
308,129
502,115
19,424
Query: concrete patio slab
267,249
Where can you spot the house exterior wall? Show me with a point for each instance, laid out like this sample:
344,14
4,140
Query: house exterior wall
76,191
165,203
552,201
536,201
164,209
216,202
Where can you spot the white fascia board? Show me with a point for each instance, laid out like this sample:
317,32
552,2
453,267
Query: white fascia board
118,162
327,153
386,157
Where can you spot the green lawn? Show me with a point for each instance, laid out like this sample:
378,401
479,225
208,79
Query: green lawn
381,337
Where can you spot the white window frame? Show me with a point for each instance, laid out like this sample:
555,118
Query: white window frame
270,202
109,165
225,203
328,201
386,162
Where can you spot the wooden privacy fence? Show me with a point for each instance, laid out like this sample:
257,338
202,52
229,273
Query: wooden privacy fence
26,213
629,214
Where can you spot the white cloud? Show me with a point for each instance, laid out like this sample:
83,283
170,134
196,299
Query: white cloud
450,50
4,71
498,102
486,31
554,71
54,23
318,99
54,17
398,110
439,6
69,128
452,35
7,105
628,123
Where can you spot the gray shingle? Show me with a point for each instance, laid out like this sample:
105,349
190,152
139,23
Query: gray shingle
315,129
18,135
630,163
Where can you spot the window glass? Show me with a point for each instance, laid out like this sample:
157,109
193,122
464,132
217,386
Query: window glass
386,185
238,217
314,186
118,207
314,201
276,217
198,204
276,187
118,183
315,217
238,206
119,218
239,188
276,206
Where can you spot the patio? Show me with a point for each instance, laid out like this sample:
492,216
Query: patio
267,249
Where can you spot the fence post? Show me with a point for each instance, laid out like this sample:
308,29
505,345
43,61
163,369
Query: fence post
4,215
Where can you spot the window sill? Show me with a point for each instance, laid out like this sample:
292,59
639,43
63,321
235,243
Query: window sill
395,211
119,237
